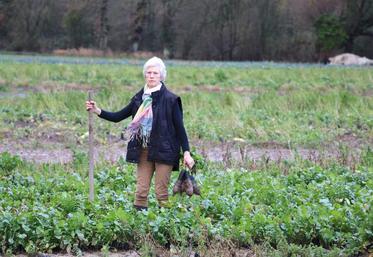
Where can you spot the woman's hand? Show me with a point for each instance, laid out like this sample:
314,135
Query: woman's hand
91,106
188,160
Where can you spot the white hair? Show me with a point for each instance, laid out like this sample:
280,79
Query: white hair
156,62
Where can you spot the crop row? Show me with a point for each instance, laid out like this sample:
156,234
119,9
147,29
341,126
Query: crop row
45,208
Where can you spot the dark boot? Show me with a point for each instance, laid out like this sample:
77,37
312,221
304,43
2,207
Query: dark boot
140,208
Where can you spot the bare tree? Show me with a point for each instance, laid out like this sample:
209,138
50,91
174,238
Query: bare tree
358,17
190,24
103,28
4,20
170,9
226,25
27,21
79,23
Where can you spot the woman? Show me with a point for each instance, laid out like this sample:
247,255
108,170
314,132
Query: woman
156,133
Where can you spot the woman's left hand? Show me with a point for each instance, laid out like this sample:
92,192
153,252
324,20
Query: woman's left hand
188,160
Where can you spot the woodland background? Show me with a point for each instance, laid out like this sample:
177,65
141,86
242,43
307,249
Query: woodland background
278,30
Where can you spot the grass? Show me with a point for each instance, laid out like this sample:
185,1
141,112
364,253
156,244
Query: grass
304,106
183,75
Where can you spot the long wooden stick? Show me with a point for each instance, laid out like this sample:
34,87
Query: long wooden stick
91,156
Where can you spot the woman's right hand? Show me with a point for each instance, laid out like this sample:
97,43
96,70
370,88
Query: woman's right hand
91,106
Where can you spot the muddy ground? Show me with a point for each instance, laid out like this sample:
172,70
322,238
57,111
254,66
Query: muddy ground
58,146
157,253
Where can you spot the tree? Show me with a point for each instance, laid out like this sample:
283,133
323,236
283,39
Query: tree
170,9
138,25
358,16
145,32
268,27
103,28
4,19
227,22
330,33
27,21
191,39
79,29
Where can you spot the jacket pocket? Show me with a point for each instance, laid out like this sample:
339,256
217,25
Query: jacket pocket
166,145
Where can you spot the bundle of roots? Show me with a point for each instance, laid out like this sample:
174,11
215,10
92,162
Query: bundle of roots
186,183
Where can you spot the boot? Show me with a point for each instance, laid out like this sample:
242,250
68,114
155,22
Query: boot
140,208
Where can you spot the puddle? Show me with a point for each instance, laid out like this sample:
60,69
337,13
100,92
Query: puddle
4,95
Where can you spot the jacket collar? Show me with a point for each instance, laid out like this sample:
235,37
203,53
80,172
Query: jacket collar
159,92
155,94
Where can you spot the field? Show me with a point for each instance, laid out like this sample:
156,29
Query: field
284,152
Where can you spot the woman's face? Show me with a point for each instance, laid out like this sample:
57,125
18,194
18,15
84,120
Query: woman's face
153,76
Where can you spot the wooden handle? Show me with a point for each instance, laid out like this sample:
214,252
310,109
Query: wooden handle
91,153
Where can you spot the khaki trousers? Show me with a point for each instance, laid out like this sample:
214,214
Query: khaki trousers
144,174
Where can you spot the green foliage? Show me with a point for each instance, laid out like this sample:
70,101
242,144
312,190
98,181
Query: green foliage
200,161
330,32
220,76
80,160
78,30
8,163
45,208
367,157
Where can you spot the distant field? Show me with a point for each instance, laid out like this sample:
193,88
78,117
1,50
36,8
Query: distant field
301,105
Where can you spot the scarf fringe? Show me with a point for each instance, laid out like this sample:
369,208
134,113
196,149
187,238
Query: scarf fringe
140,135
141,125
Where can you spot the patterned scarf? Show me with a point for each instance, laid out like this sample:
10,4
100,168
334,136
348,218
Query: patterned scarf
141,125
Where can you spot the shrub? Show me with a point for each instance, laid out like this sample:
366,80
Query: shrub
8,163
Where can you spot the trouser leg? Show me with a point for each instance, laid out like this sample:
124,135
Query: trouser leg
144,174
162,178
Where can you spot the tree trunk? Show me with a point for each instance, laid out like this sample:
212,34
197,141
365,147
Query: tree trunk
349,45
104,26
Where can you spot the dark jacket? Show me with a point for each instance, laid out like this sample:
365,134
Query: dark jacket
168,132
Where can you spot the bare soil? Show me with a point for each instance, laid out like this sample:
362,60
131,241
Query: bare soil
89,254
57,146
157,252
